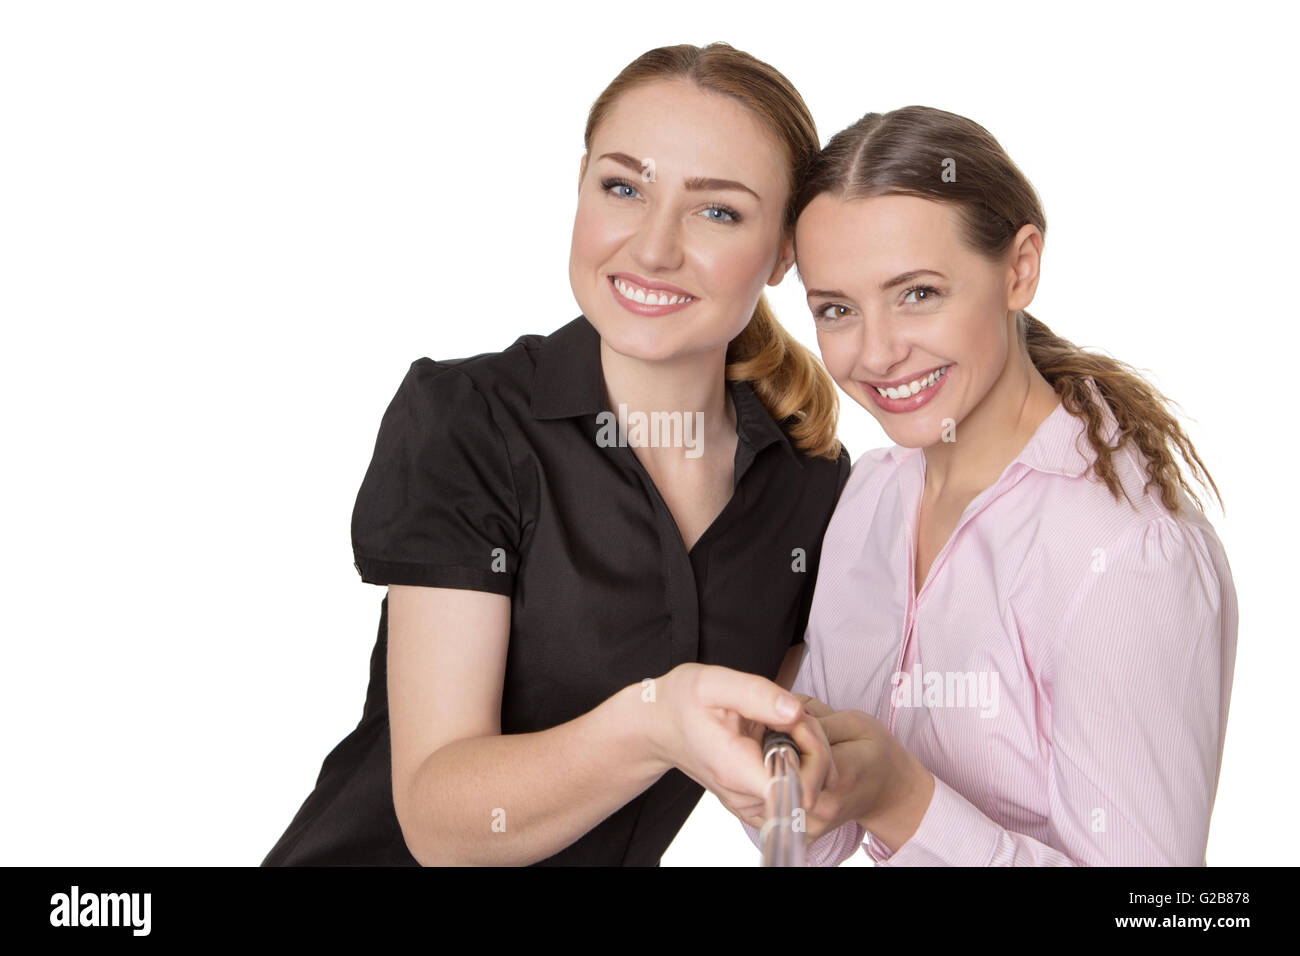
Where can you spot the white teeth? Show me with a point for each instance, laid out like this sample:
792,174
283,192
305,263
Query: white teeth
637,294
910,389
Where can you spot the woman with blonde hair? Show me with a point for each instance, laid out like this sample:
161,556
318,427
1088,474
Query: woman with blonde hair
600,544
1023,637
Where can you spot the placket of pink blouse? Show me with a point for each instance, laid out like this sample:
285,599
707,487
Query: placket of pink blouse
902,664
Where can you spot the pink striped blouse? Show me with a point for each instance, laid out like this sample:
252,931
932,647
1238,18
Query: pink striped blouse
1065,672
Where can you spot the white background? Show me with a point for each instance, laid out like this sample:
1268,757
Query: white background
226,229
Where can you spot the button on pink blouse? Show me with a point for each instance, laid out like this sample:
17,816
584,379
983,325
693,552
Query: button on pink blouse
1065,672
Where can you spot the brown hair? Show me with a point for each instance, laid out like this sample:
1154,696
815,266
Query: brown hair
789,379
906,151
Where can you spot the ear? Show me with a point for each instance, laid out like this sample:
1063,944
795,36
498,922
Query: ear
1026,256
582,170
784,262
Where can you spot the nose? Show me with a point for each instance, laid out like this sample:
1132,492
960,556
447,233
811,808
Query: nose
881,349
657,244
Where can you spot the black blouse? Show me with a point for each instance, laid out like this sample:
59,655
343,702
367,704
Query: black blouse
487,474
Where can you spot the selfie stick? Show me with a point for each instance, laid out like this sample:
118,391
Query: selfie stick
782,835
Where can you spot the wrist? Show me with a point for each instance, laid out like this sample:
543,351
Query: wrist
640,716
898,819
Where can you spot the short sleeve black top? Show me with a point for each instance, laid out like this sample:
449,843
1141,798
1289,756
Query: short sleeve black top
488,474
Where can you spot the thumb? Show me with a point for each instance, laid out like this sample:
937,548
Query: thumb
753,697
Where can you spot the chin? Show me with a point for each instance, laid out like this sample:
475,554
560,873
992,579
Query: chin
921,433
650,339
654,346
910,438
635,347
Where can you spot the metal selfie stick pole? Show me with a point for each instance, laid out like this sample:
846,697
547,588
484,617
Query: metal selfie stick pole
782,835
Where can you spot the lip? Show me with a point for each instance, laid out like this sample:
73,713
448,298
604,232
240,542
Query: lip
906,379
652,286
643,308
912,402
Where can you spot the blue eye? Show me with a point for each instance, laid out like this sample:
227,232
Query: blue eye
615,183
731,214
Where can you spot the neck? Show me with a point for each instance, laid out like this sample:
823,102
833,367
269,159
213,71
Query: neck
688,384
995,431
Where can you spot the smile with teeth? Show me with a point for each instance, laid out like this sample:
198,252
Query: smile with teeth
646,296
907,391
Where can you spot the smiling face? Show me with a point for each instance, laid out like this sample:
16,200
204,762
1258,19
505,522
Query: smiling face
902,304
679,223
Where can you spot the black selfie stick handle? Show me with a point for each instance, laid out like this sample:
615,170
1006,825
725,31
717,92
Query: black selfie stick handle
773,739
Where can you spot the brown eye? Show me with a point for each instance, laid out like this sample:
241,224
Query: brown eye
922,293
829,313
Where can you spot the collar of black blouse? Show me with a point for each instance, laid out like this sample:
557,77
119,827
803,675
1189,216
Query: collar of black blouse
569,383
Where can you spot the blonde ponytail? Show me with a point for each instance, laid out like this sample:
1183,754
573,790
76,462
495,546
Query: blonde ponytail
791,382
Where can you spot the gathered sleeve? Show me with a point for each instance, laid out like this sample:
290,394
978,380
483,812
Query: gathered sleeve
1137,680
437,506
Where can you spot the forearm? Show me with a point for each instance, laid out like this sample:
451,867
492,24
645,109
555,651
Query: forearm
953,832
514,799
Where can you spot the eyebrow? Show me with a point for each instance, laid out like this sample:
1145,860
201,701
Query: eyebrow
693,183
884,286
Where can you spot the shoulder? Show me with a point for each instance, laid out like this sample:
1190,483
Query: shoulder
1170,553
465,393
492,375
758,427
1084,539
435,402
458,409
819,468
875,470
1072,506
1156,597
865,492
